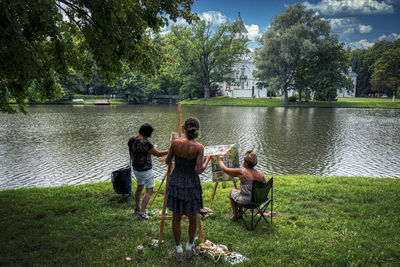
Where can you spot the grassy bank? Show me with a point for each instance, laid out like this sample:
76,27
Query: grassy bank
277,102
320,221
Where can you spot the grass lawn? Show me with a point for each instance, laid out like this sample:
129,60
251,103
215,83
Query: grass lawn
320,221
277,102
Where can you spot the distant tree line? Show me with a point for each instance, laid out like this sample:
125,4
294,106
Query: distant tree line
196,59
378,68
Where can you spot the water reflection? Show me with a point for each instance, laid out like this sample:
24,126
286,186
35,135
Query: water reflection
58,145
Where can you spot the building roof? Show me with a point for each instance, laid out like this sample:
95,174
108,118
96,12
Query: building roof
241,24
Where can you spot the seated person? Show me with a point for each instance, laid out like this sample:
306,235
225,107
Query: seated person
246,175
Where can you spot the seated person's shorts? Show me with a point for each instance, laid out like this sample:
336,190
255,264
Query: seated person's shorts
145,178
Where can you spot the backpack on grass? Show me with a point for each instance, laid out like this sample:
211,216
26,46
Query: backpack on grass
122,181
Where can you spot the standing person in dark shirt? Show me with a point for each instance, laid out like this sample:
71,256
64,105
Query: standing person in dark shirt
140,150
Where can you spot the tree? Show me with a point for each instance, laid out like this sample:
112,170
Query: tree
39,45
205,57
97,86
293,36
329,68
386,76
134,86
302,80
75,84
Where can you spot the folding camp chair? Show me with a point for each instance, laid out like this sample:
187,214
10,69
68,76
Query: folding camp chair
260,201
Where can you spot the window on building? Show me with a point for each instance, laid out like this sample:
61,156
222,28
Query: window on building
242,71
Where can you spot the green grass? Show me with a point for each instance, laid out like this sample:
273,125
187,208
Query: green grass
277,102
320,221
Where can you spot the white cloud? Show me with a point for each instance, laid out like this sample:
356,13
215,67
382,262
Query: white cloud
347,26
253,32
391,37
364,28
362,44
214,17
351,7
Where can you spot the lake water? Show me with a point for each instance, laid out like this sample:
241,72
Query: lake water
59,145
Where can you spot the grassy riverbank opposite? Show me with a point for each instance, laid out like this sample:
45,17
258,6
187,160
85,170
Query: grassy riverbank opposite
278,102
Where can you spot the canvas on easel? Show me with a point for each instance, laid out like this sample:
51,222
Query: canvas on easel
231,160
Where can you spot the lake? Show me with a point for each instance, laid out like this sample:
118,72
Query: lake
65,145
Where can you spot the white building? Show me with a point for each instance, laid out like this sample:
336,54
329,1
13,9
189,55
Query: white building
343,92
244,84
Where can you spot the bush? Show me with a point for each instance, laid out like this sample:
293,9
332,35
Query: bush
292,98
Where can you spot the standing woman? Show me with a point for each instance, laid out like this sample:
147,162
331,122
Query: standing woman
184,190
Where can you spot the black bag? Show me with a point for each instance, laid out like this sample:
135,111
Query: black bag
122,180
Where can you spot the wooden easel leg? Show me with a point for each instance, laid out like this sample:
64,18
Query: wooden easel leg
213,194
155,195
200,229
160,236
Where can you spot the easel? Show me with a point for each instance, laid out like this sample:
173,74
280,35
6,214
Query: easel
215,189
167,175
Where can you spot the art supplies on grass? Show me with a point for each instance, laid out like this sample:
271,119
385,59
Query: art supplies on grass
234,257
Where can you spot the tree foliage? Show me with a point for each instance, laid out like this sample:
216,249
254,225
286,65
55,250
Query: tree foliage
205,56
324,71
329,67
45,40
294,36
134,87
363,63
386,76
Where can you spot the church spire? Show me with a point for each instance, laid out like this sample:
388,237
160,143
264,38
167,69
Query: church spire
241,24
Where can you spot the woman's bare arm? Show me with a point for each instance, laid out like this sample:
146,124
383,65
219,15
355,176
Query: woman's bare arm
230,171
155,152
168,160
200,165
262,177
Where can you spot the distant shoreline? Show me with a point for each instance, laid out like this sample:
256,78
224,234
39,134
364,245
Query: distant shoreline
385,103
359,102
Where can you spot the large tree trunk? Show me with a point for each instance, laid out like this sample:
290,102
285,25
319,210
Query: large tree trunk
329,101
300,96
206,91
285,97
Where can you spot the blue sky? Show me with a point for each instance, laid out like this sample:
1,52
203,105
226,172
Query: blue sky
358,23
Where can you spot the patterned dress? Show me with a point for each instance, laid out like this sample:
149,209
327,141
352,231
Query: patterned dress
243,196
184,190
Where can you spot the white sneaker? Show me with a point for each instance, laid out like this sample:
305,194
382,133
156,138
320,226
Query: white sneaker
143,216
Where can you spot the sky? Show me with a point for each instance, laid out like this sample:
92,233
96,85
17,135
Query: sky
358,23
